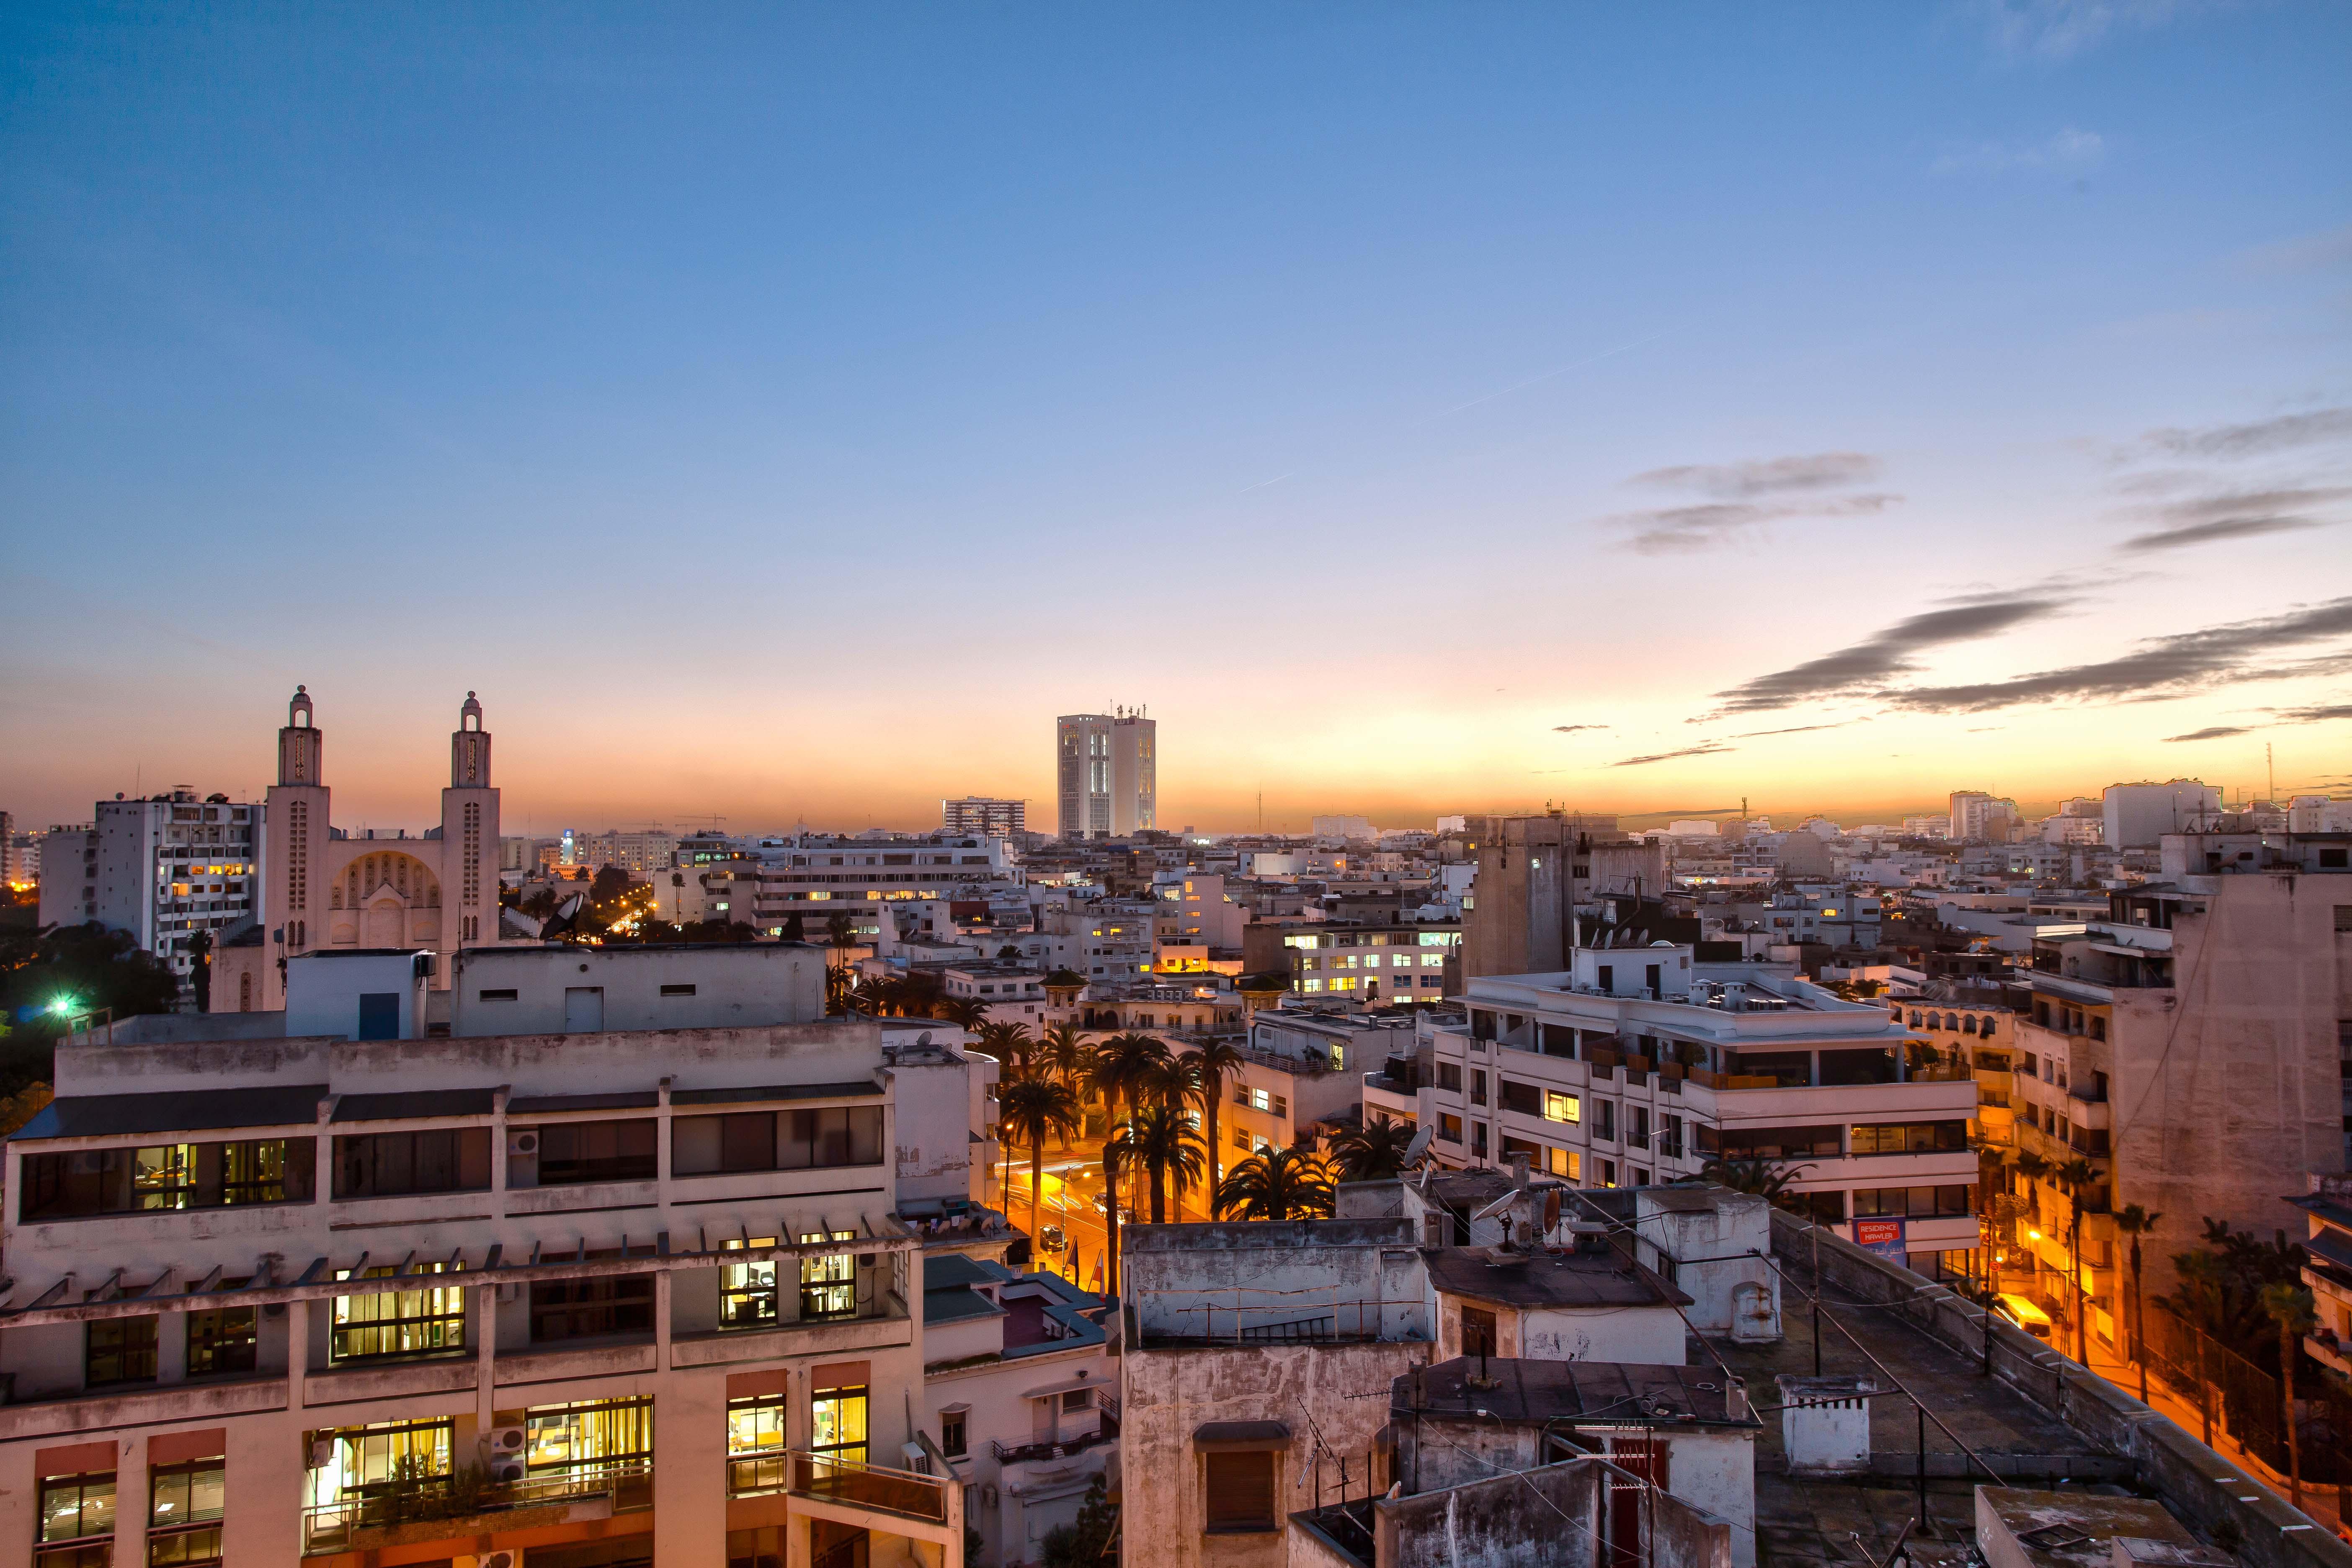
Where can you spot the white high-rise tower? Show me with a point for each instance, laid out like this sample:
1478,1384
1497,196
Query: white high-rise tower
1106,773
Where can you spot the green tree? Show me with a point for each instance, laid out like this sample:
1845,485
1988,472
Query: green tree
1373,1152
795,928
2078,1177
49,977
200,969
1281,1184
1166,1143
1768,1178
1082,1542
2135,1221
1123,1066
1212,1063
1007,1042
2290,1309
1031,1109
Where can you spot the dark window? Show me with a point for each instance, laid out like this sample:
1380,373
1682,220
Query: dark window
1769,1143
598,1152
1556,1040
1874,1066
167,1176
1823,1208
951,1433
1534,1152
1524,1097
1914,1203
587,1309
678,990
493,995
118,1350
1477,1089
1650,977
1449,1077
1637,1129
393,1164
1670,1137
1911,1138
772,1141
1241,1491
221,1341
1604,1119
1449,1128
1478,1332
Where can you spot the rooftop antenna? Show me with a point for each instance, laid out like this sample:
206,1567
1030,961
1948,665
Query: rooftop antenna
2270,769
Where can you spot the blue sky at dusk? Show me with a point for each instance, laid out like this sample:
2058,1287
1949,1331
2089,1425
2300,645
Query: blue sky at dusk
786,413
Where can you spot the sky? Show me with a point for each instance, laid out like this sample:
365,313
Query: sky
780,414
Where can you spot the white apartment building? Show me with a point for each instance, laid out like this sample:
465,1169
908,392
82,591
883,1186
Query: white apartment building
818,878
1012,994
983,816
1107,772
2138,816
1204,911
161,869
1640,1065
1103,941
640,854
1366,965
597,1298
1980,818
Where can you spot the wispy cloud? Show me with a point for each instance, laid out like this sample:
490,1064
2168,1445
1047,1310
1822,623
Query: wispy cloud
1572,729
2060,29
2261,436
2161,667
2318,715
1868,665
2214,733
1798,729
1689,529
1748,495
2069,151
1769,476
2205,519
1704,750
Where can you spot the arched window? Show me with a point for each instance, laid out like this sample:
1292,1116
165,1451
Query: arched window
1968,1025
1914,1018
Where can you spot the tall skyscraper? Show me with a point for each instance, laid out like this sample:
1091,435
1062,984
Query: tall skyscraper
1107,769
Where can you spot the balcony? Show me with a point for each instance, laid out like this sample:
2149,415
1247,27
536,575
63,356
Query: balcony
872,1489
1026,1453
437,1508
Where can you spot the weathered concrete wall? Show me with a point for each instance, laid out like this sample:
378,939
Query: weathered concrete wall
1336,1392
2201,1487
1540,1519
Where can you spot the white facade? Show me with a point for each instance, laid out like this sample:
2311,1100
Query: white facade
2138,816
160,870
1107,771
984,816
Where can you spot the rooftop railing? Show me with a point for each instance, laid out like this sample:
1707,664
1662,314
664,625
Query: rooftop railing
330,1527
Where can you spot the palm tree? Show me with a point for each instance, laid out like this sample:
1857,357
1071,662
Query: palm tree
1374,1152
841,935
2076,1176
1123,1065
1063,1052
2135,1221
1211,1065
1114,1162
1277,1186
1031,1107
2200,1300
1163,1140
966,1013
1768,1178
2289,1307
1008,1043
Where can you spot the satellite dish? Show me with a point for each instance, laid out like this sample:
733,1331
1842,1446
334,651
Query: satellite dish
1551,1211
1418,1147
1498,1206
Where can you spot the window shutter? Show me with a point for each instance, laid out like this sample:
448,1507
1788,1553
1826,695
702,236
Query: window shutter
1240,1489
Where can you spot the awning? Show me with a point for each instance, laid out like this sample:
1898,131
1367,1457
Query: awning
1240,1437
187,1110
1069,1386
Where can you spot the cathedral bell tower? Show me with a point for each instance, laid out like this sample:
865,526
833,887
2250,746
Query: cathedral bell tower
294,895
469,830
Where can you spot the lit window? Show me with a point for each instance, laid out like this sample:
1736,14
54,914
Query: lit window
1561,1107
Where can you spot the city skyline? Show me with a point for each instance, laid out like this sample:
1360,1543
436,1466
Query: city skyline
1954,397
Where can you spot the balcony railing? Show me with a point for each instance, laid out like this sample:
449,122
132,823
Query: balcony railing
1014,1454
329,1527
828,1479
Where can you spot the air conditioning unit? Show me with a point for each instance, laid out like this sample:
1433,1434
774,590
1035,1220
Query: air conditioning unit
504,1442
322,1453
504,1557
506,1469
988,1494
273,1308
524,1143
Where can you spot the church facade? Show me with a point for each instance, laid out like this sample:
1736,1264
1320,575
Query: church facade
329,891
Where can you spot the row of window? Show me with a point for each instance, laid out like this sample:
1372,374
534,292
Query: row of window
185,1507
1833,1142
429,1317
171,1177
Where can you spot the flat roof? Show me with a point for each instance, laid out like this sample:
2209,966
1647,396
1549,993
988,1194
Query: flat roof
853,1088
1548,1278
187,1111
1540,1391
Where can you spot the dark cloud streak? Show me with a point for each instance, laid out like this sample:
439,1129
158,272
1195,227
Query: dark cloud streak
1770,476
1708,749
2252,439
1868,665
